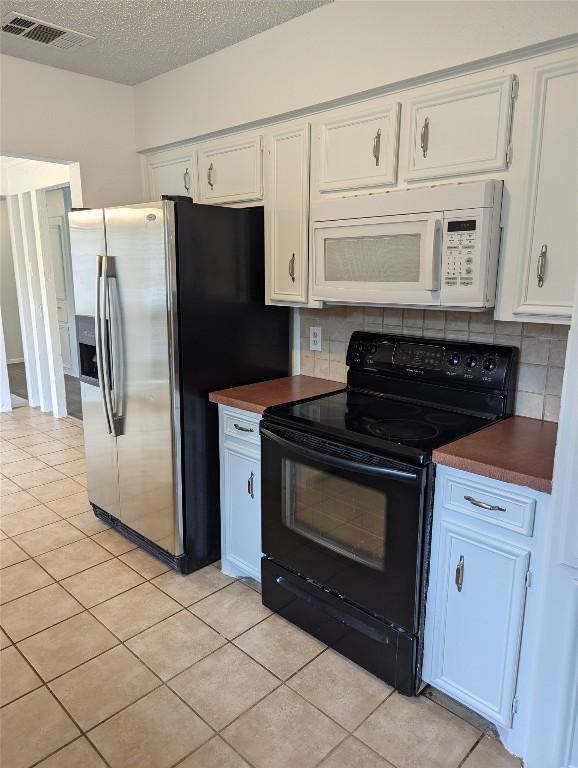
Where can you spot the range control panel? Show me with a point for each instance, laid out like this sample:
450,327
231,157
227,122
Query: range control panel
440,361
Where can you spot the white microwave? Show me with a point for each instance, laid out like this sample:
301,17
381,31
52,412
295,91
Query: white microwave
430,246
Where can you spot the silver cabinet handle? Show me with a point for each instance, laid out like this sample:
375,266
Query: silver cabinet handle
210,181
243,429
187,180
460,574
484,504
250,485
541,269
292,268
425,136
377,146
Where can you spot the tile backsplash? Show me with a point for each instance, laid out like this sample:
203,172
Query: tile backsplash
542,346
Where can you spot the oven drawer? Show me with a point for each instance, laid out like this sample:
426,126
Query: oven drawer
241,425
485,501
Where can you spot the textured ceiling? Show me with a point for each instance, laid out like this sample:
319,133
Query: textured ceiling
138,39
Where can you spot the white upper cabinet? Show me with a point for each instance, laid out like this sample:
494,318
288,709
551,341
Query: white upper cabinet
171,173
463,130
550,227
230,171
287,213
357,147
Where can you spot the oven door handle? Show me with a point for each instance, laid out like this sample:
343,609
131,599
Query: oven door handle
338,463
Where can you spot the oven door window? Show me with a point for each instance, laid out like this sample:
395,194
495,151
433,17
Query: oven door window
339,514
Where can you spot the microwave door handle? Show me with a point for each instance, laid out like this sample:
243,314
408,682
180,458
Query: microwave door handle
337,462
432,255
98,326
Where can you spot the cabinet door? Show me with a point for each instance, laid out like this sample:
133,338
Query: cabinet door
357,148
552,224
242,511
171,175
287,213
461,131
231,172
481,591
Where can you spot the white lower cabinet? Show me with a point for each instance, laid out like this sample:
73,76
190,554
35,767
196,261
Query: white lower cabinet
240,492
481,566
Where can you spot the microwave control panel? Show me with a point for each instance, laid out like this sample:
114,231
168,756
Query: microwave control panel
469,253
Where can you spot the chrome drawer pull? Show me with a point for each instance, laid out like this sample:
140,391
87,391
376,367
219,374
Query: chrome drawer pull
292,268
484,504
377,146
187,180
243,429
425,137
541,268
250,484
210,181
460,573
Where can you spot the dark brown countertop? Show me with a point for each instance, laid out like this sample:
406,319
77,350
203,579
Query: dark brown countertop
517,450
257,397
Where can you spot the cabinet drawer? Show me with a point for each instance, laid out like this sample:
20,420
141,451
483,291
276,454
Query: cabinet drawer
241,427
461,130
501,508
231,172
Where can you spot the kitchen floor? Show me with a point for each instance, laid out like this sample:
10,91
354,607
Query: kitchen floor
110,659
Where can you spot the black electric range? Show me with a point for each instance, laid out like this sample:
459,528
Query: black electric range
347,488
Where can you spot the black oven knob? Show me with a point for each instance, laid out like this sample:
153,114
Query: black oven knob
471,361
489,364
453,359
372,349
359,346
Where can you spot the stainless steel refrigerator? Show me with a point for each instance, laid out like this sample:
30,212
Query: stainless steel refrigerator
170,304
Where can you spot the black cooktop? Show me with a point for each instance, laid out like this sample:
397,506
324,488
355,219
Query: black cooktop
408,429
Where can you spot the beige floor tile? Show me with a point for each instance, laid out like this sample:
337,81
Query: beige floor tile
283,731
216,753
136,610
50,446
62,431
4,640
280,646
41,477
56,490
20,579
413,732
71,505
88,523
11,454
79,754
71,468
7,487
17,501
102,582
22,466
352,753
32,728
340,688
61,457
10,553
232,610
193,587
16,676
37,611
114,542
103,686
73,558
58,649
48,537
223,685
175,644
81,480
145,564
155,732
36,438
490,753
74,441
27,520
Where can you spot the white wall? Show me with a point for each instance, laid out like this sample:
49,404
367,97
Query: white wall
52,114
8,298
340,49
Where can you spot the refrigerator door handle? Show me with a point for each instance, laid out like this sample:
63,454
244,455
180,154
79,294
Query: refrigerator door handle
105,323
117,353
98,325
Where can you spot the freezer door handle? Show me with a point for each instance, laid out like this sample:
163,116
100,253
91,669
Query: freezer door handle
105,339
99,326
116,354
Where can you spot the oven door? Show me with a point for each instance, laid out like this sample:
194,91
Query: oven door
350,520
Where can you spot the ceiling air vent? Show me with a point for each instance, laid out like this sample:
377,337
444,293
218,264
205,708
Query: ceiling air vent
38,31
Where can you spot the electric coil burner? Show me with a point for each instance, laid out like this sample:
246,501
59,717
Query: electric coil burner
347,486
